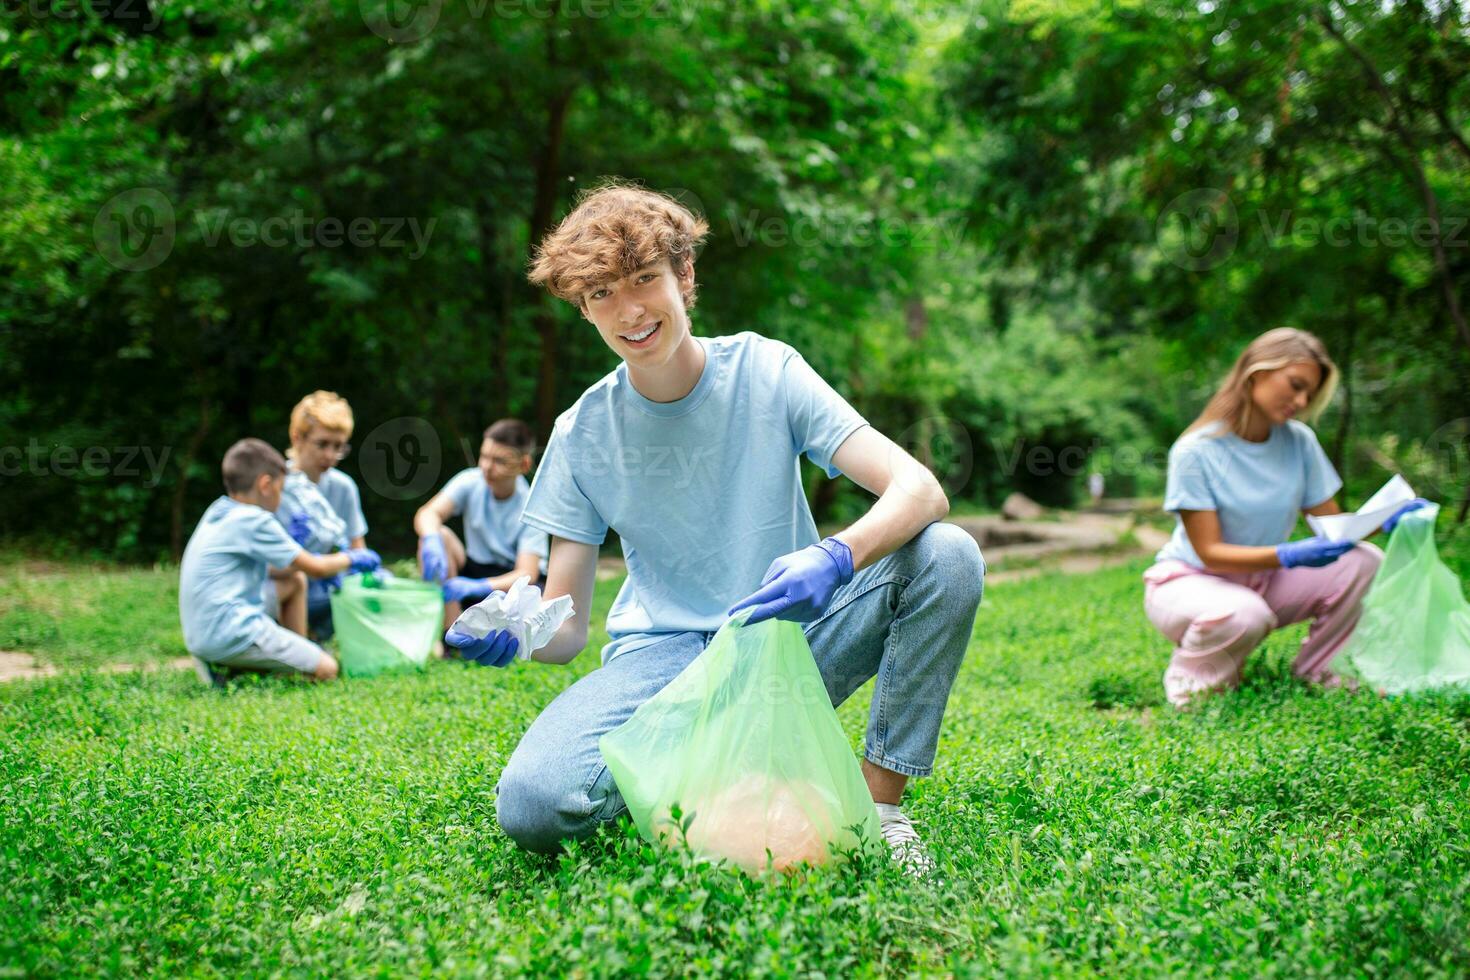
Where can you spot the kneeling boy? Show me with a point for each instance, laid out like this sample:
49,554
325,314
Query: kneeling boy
241,570
497,547
690,450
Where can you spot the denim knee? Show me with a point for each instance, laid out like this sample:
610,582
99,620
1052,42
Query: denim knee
532,809
951,556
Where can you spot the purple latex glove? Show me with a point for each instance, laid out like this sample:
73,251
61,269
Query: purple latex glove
299,528
363,560
1311,552
459,588
798,586
496,649
435,562
1409,508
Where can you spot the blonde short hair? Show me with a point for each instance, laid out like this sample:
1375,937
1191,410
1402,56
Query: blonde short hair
324,408
614,230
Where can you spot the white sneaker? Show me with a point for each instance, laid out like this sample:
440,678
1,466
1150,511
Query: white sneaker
903,840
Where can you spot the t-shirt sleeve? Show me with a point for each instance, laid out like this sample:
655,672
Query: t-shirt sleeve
821,419
534,540
1322,481
357,525
265,540
1188,486
557,504
458,488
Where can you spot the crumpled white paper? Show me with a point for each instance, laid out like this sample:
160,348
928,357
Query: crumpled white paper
520,611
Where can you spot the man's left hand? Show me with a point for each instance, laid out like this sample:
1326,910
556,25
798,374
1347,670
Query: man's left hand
798,586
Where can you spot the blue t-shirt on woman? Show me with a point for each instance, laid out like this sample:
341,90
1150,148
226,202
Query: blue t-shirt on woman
1257,489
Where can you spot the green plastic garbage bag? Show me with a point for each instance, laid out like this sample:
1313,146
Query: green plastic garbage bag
385,624
741,756
1415,630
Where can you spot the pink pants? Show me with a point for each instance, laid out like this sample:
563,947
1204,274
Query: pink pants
1215,619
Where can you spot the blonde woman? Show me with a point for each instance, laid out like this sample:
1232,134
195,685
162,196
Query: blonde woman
1238,479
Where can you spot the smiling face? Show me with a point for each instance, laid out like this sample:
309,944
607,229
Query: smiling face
643,317
1286,392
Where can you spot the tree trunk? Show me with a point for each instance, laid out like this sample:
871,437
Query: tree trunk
543,208
181,489
1345,367
499,333
1414,167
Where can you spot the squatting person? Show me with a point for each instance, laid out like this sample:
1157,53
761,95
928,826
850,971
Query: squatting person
1238,478
690,450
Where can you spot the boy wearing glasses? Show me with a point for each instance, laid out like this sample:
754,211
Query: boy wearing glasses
321,507
321,425
491,496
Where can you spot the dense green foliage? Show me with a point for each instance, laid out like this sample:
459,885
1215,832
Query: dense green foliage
150,824
993,227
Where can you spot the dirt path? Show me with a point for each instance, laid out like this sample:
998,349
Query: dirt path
16,666
1149,539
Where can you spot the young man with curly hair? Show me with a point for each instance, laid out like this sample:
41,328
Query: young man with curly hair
690,451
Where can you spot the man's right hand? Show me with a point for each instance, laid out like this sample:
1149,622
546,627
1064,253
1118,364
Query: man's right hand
496,649
431,555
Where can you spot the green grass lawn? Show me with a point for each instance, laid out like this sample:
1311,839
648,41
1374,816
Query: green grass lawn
150,824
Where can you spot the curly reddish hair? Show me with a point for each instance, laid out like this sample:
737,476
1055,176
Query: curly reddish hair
614,230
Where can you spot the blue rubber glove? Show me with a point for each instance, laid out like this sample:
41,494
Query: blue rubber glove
798,586
333,584
497,649
436,563
1409,508
363,560
299,528
1311,552
459,588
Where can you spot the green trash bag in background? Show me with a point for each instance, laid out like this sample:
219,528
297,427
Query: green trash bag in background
385,624
745,748
1415,630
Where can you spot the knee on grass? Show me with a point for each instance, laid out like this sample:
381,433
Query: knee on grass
1362,562
953,558
326,669
537,812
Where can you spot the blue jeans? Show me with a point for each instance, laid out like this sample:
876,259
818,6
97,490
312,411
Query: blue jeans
319,609
906,620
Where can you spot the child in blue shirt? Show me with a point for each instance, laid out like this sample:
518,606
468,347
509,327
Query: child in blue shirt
241,572
320,430
497,548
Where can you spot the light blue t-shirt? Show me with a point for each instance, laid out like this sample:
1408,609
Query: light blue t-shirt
705,492
1257,489
493,532
223,573
341,493
301,496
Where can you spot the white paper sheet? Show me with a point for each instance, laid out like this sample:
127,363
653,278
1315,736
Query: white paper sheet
1369,517
521,611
